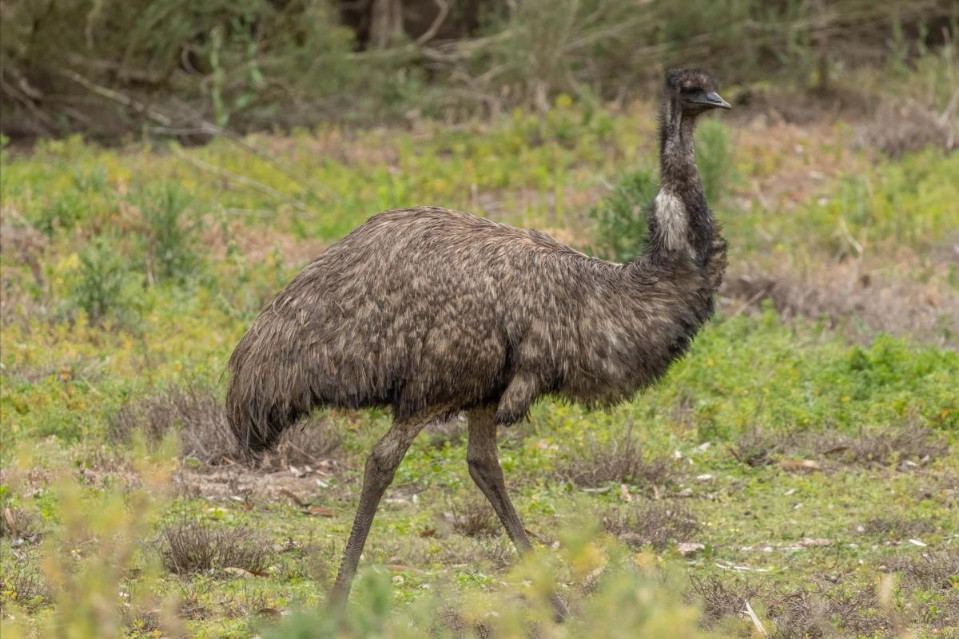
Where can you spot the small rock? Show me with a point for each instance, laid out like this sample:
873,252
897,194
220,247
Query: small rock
687,549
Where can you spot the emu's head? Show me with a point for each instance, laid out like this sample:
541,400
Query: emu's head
693,91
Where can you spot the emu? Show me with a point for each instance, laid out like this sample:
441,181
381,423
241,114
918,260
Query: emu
434,312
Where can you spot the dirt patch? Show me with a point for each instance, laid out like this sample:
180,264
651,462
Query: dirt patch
796,161
252,486
257,245
849,295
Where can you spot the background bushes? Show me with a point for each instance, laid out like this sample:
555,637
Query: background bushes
111,68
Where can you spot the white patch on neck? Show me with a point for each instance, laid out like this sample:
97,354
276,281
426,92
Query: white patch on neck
673,221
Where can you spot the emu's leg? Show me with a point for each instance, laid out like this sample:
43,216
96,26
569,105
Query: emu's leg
377,476
488,474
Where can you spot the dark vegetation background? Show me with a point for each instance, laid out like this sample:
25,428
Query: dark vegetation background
113,69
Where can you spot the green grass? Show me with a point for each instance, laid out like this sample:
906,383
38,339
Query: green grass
807,461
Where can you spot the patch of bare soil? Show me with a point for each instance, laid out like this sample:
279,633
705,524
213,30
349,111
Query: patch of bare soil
299,486
853,296
792,162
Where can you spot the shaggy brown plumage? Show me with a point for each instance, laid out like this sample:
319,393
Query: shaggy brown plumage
432,312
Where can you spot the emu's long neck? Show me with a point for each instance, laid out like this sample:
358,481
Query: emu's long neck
680,222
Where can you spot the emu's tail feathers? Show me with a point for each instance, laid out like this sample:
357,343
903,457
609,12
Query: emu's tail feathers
264,397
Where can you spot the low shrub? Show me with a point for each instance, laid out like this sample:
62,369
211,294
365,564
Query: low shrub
189,546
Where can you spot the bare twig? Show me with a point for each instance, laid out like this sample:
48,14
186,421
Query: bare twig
116,96
239,179
240,141
437,23
749,612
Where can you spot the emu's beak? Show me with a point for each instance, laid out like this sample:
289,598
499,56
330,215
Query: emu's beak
715,101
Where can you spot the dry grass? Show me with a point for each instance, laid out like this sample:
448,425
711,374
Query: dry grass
758,447
190,546
192,595
450,623
199,419
21,526
659,524
902,127
851,295
909,445
196,415
250,602
933,570
21,584
474,517
621,462
450,432
723,598
898,528
141,623
308,443
794,614
804,615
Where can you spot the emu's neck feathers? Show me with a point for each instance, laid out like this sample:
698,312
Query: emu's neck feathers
680,221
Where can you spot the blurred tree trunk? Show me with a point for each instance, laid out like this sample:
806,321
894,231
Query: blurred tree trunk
386,23
822,45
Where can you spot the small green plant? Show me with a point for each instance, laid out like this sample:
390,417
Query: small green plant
168,236
620,218
714,158
62,212
98,286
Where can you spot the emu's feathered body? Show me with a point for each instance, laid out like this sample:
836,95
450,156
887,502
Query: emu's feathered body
432,312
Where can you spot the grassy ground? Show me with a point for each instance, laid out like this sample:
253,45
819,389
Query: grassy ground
802,458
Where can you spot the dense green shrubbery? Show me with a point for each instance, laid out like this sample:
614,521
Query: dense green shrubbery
620,217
